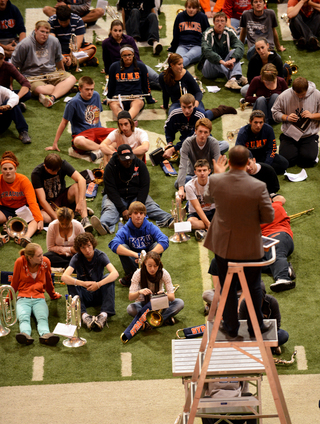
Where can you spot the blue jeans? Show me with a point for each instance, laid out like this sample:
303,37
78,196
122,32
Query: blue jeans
129,263
265,105
212,71
283,337
39,308
144,29
110,214
174,308
279,269
189,53
103,296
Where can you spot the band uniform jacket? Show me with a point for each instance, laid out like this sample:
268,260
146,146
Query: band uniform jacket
242,204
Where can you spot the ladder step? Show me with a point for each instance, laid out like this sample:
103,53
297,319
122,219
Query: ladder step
228,402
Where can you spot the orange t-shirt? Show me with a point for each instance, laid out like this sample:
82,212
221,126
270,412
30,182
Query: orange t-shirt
281,222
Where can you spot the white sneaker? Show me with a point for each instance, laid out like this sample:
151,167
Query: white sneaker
95,221
157,48
96,154
233,85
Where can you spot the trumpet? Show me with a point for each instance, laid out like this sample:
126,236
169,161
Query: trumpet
232,135
154,318
178,215
128,97
174,157
141,258
73,312
73,46
243,104
16,227
294,68
8,316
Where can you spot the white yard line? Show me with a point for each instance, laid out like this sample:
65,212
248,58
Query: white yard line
126,364
302,362
38,368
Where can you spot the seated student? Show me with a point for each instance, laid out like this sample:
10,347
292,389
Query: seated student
200,213
221,53
48,180
141,22
263,172
128,76
270,310
304,23
92,286
126,179
264,90
83,112
233,10
258,137
112,45
152,278
187,32
200,146
60,238
8,73
31,278
281,270
127,133
137,235
80,7
12,29
183,119
16,191
259,22
32,62
264,54
63,25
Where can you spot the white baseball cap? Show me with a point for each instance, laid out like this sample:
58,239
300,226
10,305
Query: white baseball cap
2,51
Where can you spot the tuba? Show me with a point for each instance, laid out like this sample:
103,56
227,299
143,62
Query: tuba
16,227
73,311
8,314
154,318
178,213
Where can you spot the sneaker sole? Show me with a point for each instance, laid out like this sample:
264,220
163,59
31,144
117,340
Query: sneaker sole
279,287
95,221
88,228
51,341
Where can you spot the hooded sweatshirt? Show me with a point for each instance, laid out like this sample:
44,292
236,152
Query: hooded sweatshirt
288,102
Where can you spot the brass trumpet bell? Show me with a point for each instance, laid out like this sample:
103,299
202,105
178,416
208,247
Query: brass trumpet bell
16,227
294,68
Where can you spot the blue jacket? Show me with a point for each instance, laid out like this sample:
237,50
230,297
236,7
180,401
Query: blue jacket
139,239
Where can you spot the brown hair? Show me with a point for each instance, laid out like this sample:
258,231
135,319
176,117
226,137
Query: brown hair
220,15
145,276
205,122
134,60
268,72
85,80
30,250
53,162
200,163
238,156
64,214
63,13
114,23
300,85
83,239
192,3
137,207
168,75
187,98
8,155
257,114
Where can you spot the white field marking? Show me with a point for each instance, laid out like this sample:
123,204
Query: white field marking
302,362
126,364
284,27
38,368
204,265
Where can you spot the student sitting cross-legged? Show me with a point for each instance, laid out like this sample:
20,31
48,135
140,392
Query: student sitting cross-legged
138,234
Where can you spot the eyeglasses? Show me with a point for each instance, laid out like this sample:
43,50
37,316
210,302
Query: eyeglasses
126,55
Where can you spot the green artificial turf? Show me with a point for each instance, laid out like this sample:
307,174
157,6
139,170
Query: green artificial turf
99,359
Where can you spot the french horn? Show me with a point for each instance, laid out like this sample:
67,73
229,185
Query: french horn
8,316
73,317
294,68
155,318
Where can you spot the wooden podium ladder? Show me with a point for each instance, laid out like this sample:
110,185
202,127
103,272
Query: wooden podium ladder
200,371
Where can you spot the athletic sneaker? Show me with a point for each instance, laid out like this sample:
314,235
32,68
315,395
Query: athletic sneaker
25,137
157,48
282,285
233,85
126,280
101,320
22,106
242,80
24,338
96,154
89,321
291,272
49,339
200,234
170,321
46,100
276,350
90,211
95,221
86,224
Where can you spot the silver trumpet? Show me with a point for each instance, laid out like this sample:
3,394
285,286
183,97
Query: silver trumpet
73,310
127,97
73,46
8,316
178,215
